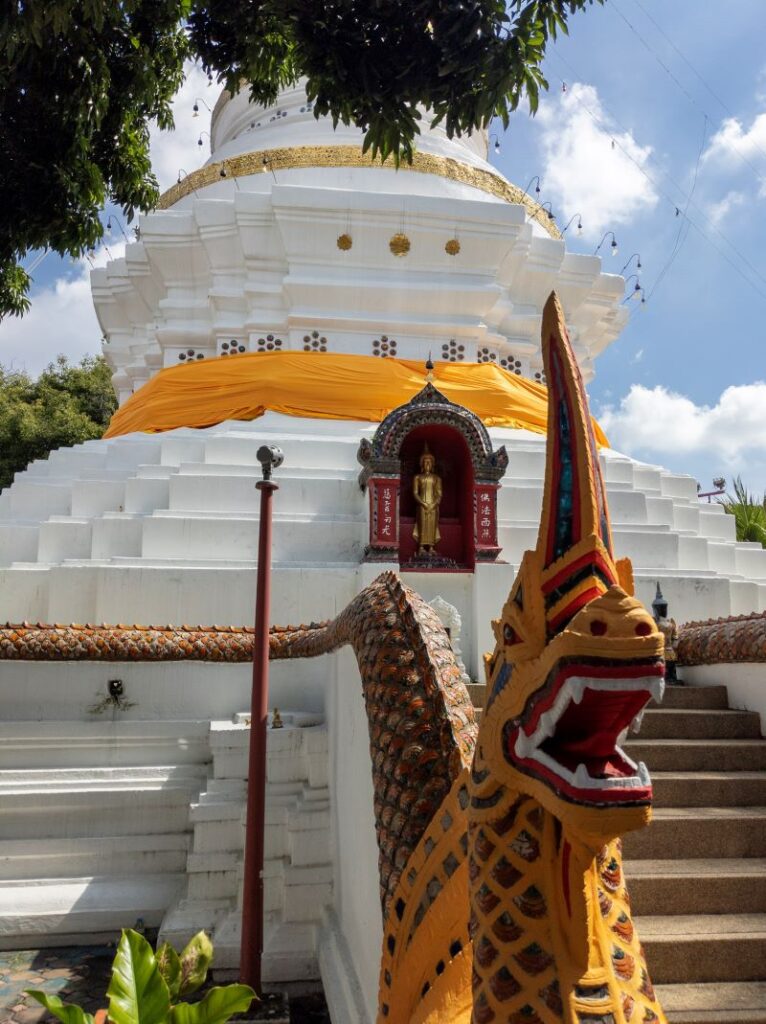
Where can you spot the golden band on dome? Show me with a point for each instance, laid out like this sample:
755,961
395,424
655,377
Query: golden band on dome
351,156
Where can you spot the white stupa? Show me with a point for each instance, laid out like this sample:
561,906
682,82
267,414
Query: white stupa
136,811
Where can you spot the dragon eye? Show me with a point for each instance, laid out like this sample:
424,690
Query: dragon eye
643,629
510,636
598,627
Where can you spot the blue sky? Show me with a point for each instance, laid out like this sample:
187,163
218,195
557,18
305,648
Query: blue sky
636,134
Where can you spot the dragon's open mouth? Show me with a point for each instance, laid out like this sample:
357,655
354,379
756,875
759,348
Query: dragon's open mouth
571,736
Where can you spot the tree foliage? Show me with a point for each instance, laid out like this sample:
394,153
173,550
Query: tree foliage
749,513
66,405
81,80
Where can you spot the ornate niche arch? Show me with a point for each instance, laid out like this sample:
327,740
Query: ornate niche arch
386,462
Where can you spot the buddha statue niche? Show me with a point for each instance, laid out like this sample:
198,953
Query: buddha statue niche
427,489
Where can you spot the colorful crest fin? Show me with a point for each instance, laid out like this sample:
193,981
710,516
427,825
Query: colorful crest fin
574,546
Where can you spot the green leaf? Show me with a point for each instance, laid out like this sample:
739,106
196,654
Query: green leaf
217,1007
195,962
137,993
169,965
66,1012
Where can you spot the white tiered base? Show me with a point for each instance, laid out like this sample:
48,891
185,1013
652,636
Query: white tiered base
138,813
163,528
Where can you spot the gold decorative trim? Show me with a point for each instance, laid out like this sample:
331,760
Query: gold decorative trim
350,156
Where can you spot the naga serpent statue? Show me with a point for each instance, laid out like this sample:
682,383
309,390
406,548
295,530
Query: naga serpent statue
500,859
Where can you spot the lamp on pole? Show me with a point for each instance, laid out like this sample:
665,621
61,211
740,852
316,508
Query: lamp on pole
270,458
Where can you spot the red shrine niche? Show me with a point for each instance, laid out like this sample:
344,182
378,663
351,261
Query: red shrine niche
469,472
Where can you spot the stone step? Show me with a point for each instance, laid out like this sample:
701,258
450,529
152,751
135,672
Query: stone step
716,831
709,789
82,911
27,812
691,723
697,886
741,1002
714,697
57,744
698,755
93,856
704,947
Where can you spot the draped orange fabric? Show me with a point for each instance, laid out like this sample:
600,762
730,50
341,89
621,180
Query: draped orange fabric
323,385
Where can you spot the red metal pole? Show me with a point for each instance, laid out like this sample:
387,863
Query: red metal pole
252,899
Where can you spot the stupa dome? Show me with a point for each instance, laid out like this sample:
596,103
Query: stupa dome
290,234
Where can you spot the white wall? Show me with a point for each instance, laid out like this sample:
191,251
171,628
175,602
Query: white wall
746,684
357,903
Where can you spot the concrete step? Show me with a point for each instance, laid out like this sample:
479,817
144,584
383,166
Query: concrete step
716,831
81,810
741,1002
82,911
705,947
722,886
714,697
698,755
91,856
691,723
709,789
57,744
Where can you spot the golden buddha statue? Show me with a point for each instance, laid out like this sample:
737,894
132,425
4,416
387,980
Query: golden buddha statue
427,489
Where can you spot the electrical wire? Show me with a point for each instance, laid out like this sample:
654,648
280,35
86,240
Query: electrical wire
687,94
682,234
689,64
658,187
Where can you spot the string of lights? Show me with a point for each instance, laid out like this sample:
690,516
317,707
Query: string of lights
676,205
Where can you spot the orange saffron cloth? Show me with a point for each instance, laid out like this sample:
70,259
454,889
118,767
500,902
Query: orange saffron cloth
323,385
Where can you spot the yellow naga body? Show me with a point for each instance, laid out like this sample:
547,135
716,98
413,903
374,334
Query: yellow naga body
519,875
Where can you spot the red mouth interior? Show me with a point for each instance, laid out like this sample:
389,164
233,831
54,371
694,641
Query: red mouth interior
586,733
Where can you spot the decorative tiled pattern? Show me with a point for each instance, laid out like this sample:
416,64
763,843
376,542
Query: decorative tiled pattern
740,638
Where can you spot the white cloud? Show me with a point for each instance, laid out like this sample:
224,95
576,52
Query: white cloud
719,211
61,320
733,145
730,434
590,169
178,149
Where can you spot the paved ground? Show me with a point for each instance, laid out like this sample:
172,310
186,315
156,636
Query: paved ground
81,975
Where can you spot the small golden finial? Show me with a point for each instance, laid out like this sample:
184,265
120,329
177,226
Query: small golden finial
276,720
429,370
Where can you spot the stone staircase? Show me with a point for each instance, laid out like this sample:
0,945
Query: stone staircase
88,847
697,875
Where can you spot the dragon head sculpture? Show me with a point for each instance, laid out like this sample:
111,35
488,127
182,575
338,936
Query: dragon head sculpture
577,657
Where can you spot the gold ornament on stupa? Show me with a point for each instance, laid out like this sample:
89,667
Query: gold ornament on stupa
452,247
400,244
344,242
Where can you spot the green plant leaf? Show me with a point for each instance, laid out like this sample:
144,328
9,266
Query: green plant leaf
217,1007
196,958
66,1012
137,993
169,965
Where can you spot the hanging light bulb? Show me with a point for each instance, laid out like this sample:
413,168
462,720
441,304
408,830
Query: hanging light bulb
579,225
613,247
497,146
563,87
195,110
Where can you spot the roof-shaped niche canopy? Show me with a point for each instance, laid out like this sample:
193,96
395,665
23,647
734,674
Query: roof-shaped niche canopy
467,470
